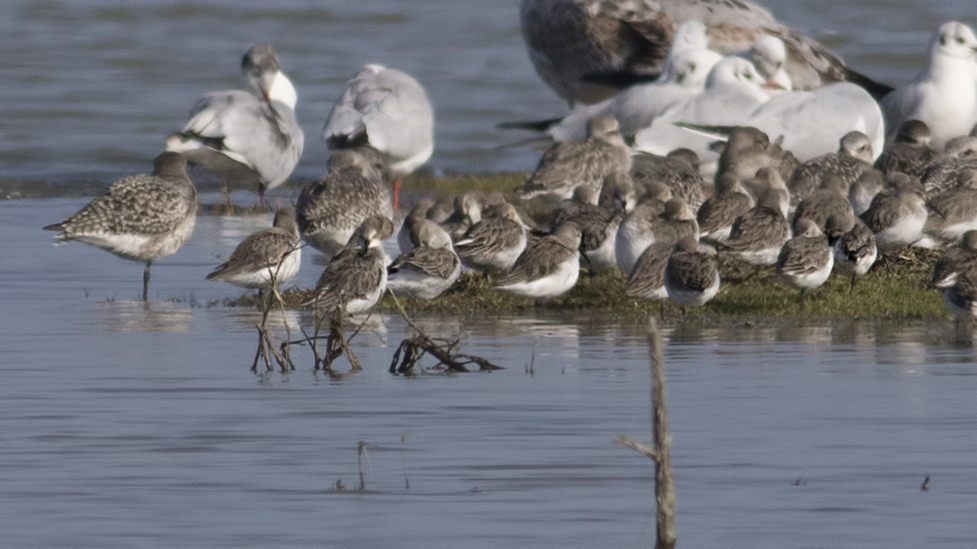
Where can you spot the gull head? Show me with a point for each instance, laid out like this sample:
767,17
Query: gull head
955,40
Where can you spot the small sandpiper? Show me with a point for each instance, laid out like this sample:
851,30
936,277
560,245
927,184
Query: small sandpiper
429,268
805,261
493,244
141,217
265,259
691,276
897,214
757,236
547,269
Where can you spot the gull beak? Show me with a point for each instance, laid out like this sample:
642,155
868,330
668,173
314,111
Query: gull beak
771,85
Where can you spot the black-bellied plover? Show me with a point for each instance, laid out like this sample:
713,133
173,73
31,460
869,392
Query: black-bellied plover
330,210
246,137
356,277
547,269
141,217
265,259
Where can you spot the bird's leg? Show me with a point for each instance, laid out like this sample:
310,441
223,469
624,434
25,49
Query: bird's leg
261,196
226,189
396,194
145,281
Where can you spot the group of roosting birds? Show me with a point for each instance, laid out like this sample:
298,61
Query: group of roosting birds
806,177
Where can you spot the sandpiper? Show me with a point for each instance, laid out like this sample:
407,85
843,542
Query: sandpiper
407,235
805,261
642,227
547,269
853,158
824,203
427,269
569,164
678,170
863,190
330,210
356,277
647,278
757,236
717,213
493,244
250,137
854,247
958,258
265,259
911,152
691,276
598,227
141,217
953,211
897,214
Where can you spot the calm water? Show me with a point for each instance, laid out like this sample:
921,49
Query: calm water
123,424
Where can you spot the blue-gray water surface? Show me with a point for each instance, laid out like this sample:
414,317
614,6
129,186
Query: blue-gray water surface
127,424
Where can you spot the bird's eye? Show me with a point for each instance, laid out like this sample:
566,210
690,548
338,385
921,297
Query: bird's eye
960,40
692,67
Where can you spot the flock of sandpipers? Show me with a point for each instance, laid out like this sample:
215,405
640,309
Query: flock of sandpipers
814,168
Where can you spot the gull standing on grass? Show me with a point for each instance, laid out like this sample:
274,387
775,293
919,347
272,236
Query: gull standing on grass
944,93
248,136
140,217
388,110
265,259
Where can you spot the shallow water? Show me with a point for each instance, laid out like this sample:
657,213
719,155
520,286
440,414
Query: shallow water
128,424
91,89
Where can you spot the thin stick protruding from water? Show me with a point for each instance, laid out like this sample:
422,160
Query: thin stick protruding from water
662,443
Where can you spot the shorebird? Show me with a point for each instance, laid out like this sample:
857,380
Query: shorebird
897,214
643,227
598,227
356,277
330,210
388,110
769,179
569,164
678,170
265,259
823,204
953,211
758,235
248,137
467,212
960,153
806,260
647,278
428,268
407,235
863,190
691,276
493,244
718,213
748,150
854,157
854,247
548,268
141,217
911,151
958,258
585,50
943,94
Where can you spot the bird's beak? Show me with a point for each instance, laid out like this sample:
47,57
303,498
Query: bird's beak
771,85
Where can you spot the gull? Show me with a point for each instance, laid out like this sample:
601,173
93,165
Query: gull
429,268
356,277
569,164
140,217
385,109
854,157
331,209
585,50
548,268
265,259
691,276
911,151
246,136
806,260
944,94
